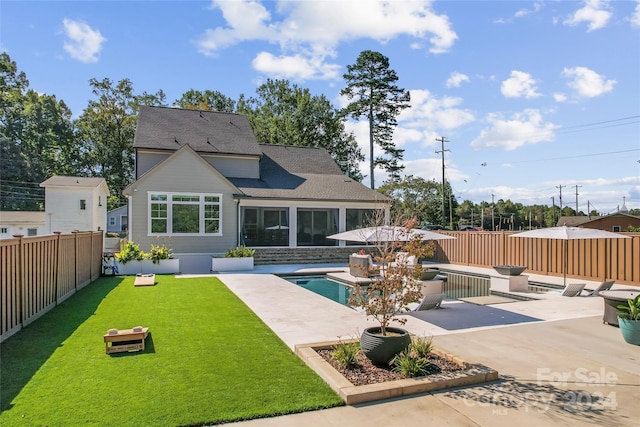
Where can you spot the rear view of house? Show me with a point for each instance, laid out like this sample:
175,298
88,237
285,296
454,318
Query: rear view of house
204,183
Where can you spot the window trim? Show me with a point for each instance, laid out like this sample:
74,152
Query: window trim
201,212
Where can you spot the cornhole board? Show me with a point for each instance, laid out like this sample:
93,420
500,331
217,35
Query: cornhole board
145,280
125,340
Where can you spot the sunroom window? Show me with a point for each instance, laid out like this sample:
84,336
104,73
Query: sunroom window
185,213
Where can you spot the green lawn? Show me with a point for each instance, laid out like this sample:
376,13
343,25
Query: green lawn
207,359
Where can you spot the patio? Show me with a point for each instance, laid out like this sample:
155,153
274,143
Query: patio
559,363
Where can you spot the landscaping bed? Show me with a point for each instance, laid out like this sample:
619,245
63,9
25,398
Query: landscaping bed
369,383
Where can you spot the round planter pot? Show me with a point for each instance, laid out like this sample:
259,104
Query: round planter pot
382,349
630,330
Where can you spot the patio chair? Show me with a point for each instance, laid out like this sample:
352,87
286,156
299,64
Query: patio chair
362,266
430,302
573,289
604,286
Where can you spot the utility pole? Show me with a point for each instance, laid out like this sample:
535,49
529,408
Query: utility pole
560,187
577,199
442,140
493,220
553,212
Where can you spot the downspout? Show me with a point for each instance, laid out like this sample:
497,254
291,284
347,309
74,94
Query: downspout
238,225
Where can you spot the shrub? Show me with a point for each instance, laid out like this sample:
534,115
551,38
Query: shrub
239,252
422,347
410,364
346,354
159,252
130,252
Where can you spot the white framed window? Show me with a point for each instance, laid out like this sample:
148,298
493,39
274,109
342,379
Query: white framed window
185,214
112,220
4,230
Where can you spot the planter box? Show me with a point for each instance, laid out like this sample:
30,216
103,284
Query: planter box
146,266
232,264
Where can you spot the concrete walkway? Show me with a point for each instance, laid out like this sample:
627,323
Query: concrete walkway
558,363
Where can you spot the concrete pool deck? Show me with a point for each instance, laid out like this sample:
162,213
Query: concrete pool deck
558,363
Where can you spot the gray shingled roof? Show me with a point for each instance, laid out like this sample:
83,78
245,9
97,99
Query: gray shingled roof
159,128
290,172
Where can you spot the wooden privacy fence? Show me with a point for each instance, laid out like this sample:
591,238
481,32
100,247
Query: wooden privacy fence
595,259
41,271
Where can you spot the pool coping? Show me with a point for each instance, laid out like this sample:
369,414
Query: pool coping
472,374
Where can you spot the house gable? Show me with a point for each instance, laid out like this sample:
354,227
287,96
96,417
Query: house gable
184,172
225,140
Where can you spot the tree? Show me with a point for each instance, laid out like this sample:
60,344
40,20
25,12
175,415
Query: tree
36,140
282,113
373,94
209,100
414,197
105,131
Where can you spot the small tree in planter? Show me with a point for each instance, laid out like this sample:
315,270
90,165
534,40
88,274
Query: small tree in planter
389,294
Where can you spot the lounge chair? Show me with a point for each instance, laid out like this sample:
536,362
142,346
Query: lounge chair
430,302
362,266
604,286
573,289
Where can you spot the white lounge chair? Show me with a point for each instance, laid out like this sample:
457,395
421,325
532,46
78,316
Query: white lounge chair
430,302
573,289
604,286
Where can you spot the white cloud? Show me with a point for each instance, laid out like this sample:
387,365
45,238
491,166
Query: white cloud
526,127
83,43
310,31
587,83
519,85
594,12
560,97
456,79
295,67
432,114
524,12
635,17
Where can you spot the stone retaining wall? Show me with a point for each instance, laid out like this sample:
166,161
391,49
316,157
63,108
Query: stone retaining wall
326,255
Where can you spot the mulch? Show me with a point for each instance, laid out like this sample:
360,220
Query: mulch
366,372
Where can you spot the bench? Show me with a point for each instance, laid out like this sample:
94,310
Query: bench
117,341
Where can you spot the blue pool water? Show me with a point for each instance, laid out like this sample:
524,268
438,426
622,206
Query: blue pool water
335,291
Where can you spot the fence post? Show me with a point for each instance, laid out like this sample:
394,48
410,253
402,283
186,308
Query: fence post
22,279
75,260
56,278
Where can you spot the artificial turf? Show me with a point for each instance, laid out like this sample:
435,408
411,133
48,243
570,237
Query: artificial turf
208,359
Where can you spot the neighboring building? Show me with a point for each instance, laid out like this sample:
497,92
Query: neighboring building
20,222
75,203
203,181
573,221
615,222
117,220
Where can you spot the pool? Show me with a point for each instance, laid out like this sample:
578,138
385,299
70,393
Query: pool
320,285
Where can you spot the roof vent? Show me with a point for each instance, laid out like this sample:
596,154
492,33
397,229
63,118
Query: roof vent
175,140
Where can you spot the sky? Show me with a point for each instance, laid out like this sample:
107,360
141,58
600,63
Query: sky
538,101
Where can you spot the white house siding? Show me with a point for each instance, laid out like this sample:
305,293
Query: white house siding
63,213
24,223
235,167
188,173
